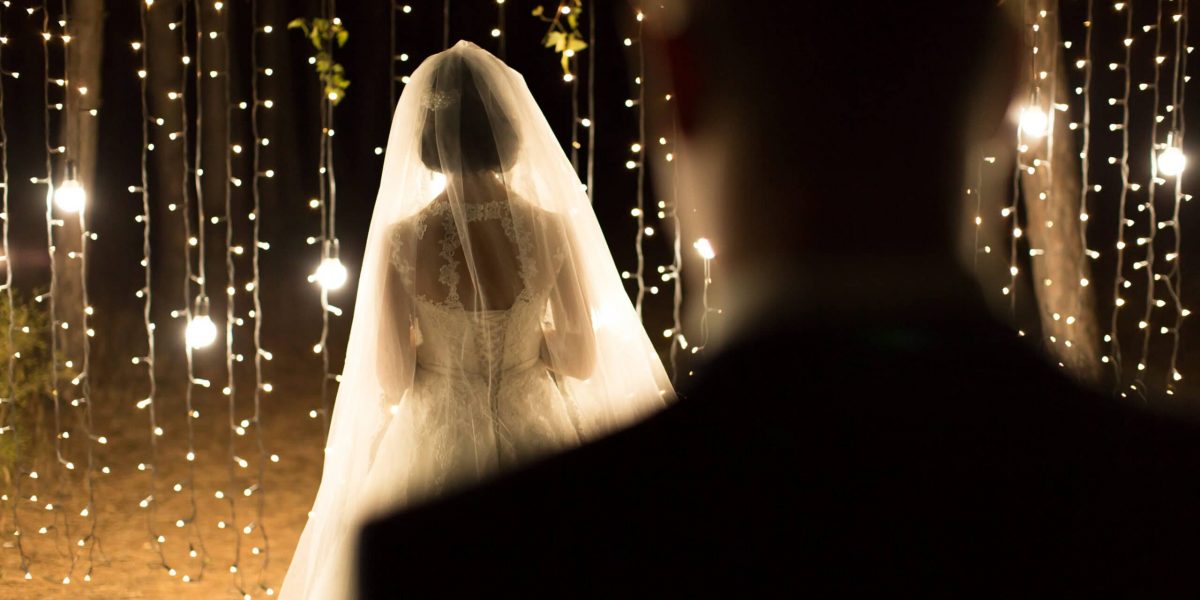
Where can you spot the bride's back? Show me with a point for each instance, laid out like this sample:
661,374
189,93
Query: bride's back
484,255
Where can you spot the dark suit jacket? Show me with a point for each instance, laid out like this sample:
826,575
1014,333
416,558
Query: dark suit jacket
937,454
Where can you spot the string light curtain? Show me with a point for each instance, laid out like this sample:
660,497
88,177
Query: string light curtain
498,32
71,198
10,413
1172,161
1147,264
1119,281
331,274
150,401
219,29
199,330
50,297
637,164
261,34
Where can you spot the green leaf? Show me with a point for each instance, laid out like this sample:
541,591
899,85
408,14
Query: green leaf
342,36
297,24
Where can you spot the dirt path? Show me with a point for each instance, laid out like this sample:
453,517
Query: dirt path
126,563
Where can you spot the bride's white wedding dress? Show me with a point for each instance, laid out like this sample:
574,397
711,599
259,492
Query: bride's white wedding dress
490,325
483,397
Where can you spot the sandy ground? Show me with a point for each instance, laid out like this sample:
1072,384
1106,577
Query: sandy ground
125,563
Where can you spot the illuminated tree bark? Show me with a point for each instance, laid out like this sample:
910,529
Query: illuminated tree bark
1052,209
80,136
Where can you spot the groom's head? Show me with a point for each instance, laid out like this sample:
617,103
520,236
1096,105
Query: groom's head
817,128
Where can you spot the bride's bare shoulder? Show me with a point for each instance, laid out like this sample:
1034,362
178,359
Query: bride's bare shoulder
413,226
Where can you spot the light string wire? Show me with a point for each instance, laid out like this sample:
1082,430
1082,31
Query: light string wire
1053,38
1122,221
573,79
189,310
678,341
12,411
394,8
674,271
1085,153
258,245
1139,384
978,193
1013,210
641,168
51,294
499,31
222,22
150,402
397,57
83,379
590,123
445,24
329,244
1174,278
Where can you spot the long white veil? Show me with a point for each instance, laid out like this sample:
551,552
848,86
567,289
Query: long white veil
479,212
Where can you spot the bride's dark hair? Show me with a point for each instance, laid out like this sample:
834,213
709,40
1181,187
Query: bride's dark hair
487,139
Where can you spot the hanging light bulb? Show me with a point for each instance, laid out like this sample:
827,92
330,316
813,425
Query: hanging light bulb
1034,121
704,248
439,184
1171,161
331,273
201,331
70,196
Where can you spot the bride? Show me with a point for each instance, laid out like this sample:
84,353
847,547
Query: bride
490,327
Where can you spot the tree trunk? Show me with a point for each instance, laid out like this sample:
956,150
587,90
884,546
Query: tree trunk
80,136
1052,209
165,74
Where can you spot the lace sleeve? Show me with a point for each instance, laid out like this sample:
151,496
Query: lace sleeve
397,255
395,348
570,339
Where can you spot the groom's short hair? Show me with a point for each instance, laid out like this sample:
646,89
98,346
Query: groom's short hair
837,70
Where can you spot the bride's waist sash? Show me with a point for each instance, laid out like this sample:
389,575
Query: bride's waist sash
458,371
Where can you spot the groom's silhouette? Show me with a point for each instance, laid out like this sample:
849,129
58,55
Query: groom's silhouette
867,425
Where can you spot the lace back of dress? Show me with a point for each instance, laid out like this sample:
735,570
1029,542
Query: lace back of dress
500,272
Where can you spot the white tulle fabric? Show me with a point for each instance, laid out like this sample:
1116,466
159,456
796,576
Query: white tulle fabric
491,327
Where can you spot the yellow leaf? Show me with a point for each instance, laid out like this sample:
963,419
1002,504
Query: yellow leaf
575,43
538,10
556,40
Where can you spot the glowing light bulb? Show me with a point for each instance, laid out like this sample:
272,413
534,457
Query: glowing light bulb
331,273
704,248
201,331
1034,121
439,184
70,196
1171,161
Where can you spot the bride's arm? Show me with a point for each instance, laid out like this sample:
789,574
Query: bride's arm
394,357
570,343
